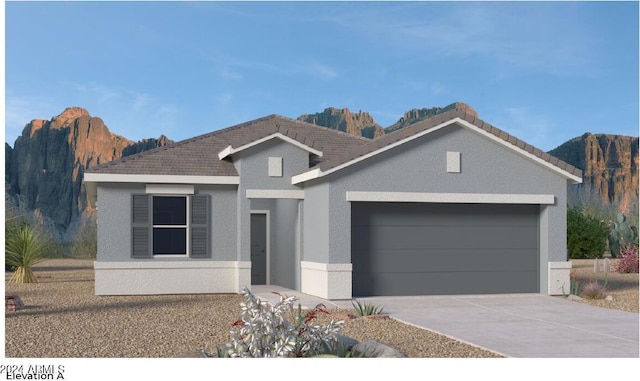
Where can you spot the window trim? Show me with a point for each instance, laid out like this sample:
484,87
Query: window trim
187,227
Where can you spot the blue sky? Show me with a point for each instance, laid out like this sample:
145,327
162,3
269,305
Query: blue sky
543,71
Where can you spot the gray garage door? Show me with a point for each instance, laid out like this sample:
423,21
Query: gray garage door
444,249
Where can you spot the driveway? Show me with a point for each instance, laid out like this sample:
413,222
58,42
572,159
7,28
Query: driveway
514,325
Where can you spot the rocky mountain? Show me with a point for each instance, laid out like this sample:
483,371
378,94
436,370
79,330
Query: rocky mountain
415,115
609,164
46,165
359,124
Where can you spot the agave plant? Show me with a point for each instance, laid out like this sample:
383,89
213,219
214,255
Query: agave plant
364,308
24,247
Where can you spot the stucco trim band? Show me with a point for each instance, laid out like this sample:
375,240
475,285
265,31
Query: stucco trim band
275,193
169,189
326,280
472,198
159,179
169,277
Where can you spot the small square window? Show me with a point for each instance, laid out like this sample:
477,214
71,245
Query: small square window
275,167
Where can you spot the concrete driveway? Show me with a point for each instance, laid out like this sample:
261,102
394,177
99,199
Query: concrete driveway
514,325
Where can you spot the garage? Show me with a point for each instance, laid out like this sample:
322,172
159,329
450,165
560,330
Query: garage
444,249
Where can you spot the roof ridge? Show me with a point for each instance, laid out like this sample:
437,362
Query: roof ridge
321,127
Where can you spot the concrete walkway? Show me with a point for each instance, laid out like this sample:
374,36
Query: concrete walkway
514,325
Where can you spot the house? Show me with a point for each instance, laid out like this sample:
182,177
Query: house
449,205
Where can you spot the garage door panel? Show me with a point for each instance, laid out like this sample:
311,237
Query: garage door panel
446,283
411,248
402,214
393,260
435,237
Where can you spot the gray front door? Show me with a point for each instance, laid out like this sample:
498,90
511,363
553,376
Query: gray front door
258,249
439,249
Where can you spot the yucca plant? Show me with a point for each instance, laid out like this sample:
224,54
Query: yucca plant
365,308
24,247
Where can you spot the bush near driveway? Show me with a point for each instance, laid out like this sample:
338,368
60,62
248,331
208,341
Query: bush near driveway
586,236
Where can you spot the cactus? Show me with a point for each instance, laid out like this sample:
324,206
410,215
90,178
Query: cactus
621,234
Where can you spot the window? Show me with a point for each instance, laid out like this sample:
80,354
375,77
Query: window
164,225
170,225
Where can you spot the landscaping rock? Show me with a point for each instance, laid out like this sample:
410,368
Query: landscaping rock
609,297
13,303
574,297
348,342
375,349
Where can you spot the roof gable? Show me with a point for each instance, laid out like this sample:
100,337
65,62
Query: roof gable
230,150
427,126
201,155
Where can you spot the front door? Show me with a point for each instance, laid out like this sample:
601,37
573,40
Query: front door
258,249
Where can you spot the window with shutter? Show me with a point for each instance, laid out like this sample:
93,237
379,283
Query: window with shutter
170,225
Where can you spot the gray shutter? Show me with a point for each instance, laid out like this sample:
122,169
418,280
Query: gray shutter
200,226
140,227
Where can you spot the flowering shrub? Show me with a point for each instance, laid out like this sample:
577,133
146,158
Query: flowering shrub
628,262
264,331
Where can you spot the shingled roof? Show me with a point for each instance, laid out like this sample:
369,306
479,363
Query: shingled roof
198,156
424,126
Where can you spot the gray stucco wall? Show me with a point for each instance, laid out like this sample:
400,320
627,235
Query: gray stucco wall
114,221
420,166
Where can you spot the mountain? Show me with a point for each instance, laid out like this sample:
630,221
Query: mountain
609,164
359,124
415,115
46,165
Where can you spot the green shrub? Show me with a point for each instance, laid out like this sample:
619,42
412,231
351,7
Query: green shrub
24,247
366,308
586,236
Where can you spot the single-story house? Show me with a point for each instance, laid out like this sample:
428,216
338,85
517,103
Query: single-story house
449,205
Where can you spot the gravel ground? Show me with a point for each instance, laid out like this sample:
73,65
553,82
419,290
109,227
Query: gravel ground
622,287
63,318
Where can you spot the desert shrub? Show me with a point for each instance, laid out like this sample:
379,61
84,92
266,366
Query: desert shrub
264,331
85,243
628,262
366,308
593,290
586,236
24,247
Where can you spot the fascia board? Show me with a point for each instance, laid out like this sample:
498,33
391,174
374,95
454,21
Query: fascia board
229,150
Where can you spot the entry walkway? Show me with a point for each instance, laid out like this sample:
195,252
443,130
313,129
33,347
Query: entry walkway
514,325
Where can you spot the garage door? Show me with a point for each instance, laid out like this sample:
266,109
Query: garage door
444,249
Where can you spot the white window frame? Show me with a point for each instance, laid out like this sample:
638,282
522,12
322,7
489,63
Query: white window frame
186,227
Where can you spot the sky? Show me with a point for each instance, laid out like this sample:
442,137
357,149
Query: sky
545,72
